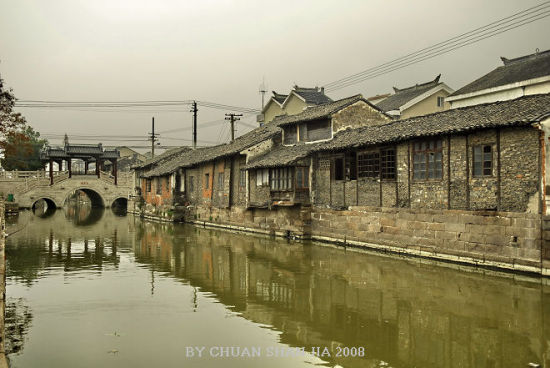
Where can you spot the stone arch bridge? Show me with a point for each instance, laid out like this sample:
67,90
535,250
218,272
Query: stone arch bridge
28,187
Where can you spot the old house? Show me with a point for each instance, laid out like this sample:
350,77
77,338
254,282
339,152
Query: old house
445,185
521,76
420,99
299,99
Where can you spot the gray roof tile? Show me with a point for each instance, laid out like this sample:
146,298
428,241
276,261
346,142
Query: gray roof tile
514,70
404,95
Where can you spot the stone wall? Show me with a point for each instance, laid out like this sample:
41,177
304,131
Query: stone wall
507,239
281,221
357,115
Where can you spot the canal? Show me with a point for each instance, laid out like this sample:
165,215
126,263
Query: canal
92,288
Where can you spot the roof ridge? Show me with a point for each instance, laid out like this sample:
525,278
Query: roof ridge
537,53
433,82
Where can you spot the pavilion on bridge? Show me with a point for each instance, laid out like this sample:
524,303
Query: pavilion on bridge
81,153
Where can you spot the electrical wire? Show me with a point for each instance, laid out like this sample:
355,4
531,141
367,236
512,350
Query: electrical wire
454,43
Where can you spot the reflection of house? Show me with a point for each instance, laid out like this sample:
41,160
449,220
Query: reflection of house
522,76
295,102
420,99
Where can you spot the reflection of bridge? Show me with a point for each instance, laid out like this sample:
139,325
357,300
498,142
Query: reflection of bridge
30,186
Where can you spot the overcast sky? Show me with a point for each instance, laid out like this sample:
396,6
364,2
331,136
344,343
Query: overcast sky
219,51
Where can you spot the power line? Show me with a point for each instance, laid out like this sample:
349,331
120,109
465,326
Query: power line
440,48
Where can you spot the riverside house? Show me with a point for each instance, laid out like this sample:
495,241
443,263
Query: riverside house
466,185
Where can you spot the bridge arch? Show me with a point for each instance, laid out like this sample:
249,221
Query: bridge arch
120,202
95,198
50,202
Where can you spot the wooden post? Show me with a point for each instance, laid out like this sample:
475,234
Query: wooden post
69,167
86,167
97,166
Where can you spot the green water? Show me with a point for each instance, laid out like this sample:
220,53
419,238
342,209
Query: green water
89,288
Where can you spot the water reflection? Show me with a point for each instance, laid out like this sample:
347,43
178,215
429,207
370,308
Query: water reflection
83,214
406,313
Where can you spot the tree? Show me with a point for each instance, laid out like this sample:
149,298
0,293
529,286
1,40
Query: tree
15,138
22,150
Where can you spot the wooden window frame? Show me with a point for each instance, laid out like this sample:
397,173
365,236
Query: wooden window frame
303,172
368,164
388,163
483,160
207,181
191,183
281,179
426,152
158,186
242,178
221,179
148,185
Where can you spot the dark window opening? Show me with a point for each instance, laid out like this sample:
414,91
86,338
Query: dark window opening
206,181
339,168
483,160
178,182
148,185
290,135
351,166
428,159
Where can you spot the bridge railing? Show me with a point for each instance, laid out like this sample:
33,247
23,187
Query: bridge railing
11,175
32,182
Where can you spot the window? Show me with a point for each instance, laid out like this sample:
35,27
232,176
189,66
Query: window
220,181
368,165
158,186
166,183
339,168
483,160
318,130
281,179
387,163
351,166
206,181
428,160
262,177
290,135
440,101
148,185
178,183
191,183
302,177
242,178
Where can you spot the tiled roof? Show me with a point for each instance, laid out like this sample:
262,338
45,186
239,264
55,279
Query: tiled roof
404,95
282,156
279,97
84,149
319,112
521,111
205,154
514,70
313,96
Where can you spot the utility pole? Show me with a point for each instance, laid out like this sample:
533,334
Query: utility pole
153,137
232,117
263,90
194,111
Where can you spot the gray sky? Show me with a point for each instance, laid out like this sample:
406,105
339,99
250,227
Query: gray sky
219,51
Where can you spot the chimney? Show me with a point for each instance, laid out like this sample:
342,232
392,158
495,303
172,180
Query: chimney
323,90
